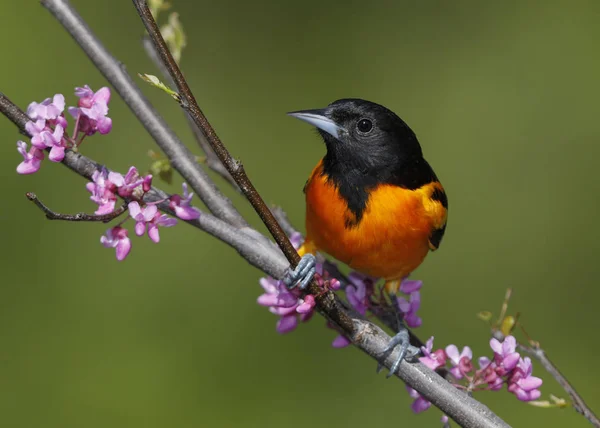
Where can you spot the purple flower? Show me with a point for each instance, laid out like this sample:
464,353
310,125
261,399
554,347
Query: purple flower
409,309
458,360
419,404
35,129
159,220
286,304
117,238
181,205
148,218
102,190
408,286
435,359
358,292
32,160
522,384
47,109
306,305
92,110
488,373
132,184
55,142
340,342
142,216
505,354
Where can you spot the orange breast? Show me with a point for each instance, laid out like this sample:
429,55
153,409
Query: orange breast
392,238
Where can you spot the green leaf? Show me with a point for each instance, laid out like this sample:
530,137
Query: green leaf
154,81
174,36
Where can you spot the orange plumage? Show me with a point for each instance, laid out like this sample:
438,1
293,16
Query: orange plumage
392,238
372,202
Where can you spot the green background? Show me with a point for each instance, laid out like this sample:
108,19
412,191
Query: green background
504,98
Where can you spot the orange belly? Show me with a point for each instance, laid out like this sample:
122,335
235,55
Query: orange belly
391,239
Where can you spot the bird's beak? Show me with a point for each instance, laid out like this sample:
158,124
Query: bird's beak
318,119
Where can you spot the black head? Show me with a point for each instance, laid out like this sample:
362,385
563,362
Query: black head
367,145
363,135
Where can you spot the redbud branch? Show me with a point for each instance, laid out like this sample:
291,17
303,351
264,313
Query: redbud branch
258,253
212,161
181,158
363,334
540,355
52,215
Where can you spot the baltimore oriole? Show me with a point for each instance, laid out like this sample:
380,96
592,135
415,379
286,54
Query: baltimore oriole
373,202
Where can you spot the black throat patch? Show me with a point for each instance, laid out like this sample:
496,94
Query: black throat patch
355,186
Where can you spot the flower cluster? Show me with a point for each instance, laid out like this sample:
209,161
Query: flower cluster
289,305
107,185
48,124
506,368
47,130
292,308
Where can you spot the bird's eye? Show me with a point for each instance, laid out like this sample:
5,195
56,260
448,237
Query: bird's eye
364,125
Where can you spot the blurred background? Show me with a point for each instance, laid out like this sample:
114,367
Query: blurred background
504,99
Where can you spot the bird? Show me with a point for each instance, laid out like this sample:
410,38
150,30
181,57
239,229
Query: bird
372,202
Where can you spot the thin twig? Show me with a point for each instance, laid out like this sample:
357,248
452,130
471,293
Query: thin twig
212,161
181,158
363,334
367,337
540,355
257,252
52,215
235,168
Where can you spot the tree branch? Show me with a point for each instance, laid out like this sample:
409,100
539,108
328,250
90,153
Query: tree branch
258,253
540,355
212,161
114,71
365,335
362,333
52,215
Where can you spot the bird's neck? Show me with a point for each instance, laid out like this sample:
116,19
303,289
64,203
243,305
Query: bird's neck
355,181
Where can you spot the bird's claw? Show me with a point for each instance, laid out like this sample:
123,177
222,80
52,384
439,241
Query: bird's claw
303,274
407,351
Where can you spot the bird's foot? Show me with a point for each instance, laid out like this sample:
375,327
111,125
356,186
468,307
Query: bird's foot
303,274
407,351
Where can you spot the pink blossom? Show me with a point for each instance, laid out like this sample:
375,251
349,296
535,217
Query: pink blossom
434,359
159,220
55,142
409,309
35,129
286,304
132,184
32,160
456,359
47,109
419,404
181,205
522,383
92,110
340,342
505,354
306,305
103,192
142,216
488,373
358,292
117,237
